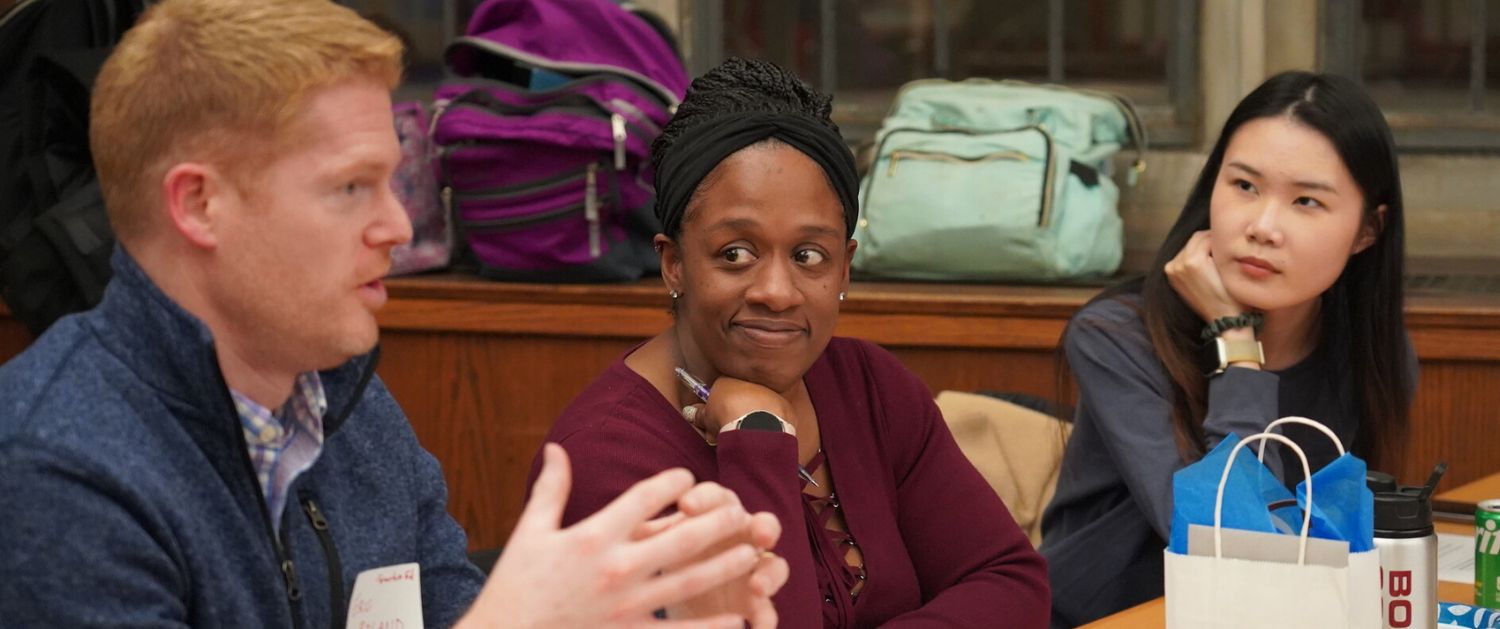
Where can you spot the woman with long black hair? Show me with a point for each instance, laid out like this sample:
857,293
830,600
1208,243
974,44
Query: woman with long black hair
1277,292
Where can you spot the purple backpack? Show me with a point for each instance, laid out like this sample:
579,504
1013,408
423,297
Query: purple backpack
544,140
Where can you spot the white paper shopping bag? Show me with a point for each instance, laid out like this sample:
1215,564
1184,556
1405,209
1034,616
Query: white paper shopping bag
1251,580
1365,605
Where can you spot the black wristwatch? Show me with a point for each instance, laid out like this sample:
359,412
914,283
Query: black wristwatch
760,420
766,421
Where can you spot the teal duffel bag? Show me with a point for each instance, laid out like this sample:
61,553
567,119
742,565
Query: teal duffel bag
995,180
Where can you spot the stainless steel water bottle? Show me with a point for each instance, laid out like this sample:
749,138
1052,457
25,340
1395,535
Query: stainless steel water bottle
1407,544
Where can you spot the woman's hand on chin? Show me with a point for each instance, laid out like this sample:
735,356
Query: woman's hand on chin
1196,280
732,399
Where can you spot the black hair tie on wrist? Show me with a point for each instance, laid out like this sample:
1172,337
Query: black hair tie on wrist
1243,320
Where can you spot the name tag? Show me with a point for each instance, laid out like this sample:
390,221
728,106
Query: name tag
387,598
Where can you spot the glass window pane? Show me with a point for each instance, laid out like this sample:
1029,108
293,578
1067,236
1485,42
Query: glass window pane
1416,55
881,44
426,27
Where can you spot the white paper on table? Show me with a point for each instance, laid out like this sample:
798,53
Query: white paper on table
387,598
1455,557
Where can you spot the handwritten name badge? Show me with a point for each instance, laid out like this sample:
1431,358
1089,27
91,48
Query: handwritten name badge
387,598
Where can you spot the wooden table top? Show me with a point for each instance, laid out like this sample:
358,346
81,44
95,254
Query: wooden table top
1153,614
1482,309
1461,499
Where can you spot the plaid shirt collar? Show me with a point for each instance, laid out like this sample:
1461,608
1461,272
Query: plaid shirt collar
267,434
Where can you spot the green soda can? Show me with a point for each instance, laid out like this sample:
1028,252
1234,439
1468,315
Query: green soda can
1487,554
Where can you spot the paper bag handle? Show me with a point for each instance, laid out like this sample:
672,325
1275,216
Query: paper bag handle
1306,422
1224,478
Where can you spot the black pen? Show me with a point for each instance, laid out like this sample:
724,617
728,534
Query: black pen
701,390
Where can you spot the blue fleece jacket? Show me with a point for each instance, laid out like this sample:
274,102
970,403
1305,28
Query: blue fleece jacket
127,497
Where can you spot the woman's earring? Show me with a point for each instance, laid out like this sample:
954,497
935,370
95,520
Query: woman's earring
674,294
841,296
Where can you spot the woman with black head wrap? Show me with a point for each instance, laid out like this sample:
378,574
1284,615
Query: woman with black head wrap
884,519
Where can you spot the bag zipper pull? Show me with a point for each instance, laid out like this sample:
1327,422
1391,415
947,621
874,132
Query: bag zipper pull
439,107
591,208
617,128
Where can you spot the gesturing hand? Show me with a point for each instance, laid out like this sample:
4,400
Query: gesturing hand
607,570
1196,280
749,596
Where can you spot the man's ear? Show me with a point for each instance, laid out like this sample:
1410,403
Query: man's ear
671,261
1370,231
194,194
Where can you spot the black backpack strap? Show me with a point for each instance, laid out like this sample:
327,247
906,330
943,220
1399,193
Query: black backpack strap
63,264
59,260
79,230
55,136
55,237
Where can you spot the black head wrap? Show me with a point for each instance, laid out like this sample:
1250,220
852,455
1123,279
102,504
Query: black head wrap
701,147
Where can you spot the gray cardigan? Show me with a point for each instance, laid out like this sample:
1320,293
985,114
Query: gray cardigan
1104,532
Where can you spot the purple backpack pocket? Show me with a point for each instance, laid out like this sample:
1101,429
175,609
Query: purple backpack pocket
554,185
546,186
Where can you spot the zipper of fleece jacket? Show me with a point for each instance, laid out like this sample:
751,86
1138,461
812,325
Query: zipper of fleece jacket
289,572
337,607
283,557
337,612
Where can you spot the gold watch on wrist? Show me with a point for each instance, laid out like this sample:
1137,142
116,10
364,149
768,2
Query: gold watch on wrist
1237,351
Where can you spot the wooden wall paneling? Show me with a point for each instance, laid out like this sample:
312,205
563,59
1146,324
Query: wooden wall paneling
1457,342
628,321
1455,417
937,330
482,405
971,370
483,368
